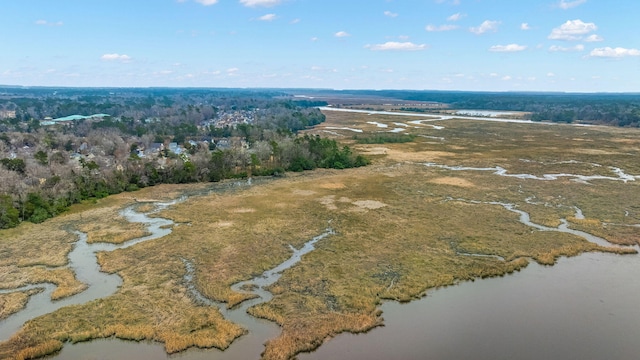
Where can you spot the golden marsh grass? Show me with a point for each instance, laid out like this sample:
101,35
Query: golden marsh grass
402,228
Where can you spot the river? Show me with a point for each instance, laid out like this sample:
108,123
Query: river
584,307
439,117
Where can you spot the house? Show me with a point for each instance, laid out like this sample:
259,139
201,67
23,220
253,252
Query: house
223,144
7,114
155,148
174,148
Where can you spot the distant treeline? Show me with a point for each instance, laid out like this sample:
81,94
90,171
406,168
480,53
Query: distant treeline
598,108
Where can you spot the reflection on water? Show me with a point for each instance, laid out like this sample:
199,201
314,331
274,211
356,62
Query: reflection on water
581,308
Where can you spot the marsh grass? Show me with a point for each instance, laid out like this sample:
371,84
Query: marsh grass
117,230
399,249
13,302
64,278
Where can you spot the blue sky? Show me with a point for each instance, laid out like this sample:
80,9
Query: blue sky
483,45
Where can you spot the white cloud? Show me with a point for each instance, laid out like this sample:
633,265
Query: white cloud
207,2
565,5
525,26
323,69
508,48
268,17
255,3
556,48
486,26
550,74
619,52
456,17
397,46
232,71
295,21
341,34
314,39
433,28
47,23
116,57
390,14
572,30
594,38
506,78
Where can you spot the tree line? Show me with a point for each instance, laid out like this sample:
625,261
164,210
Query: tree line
45,169
597,108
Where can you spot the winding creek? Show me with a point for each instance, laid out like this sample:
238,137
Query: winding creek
540,311
248,346
84,263
582,307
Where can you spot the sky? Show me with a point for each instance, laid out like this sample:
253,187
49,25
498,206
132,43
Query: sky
474,45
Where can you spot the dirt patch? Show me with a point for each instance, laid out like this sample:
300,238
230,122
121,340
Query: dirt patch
455,181
625,141
594,152
303,192
242,210
333,186
419,156
369,204
373,150
329,202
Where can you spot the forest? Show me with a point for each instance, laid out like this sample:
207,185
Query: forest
149,137
596,108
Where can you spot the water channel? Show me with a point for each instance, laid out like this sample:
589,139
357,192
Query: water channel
540,312
248,346
83,262
583,307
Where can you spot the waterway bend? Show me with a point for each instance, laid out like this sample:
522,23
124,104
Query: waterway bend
84,263
259,331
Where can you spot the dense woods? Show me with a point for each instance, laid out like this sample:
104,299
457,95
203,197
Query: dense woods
604,109
149,137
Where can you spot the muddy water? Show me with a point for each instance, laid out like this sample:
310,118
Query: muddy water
249,346
581,308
